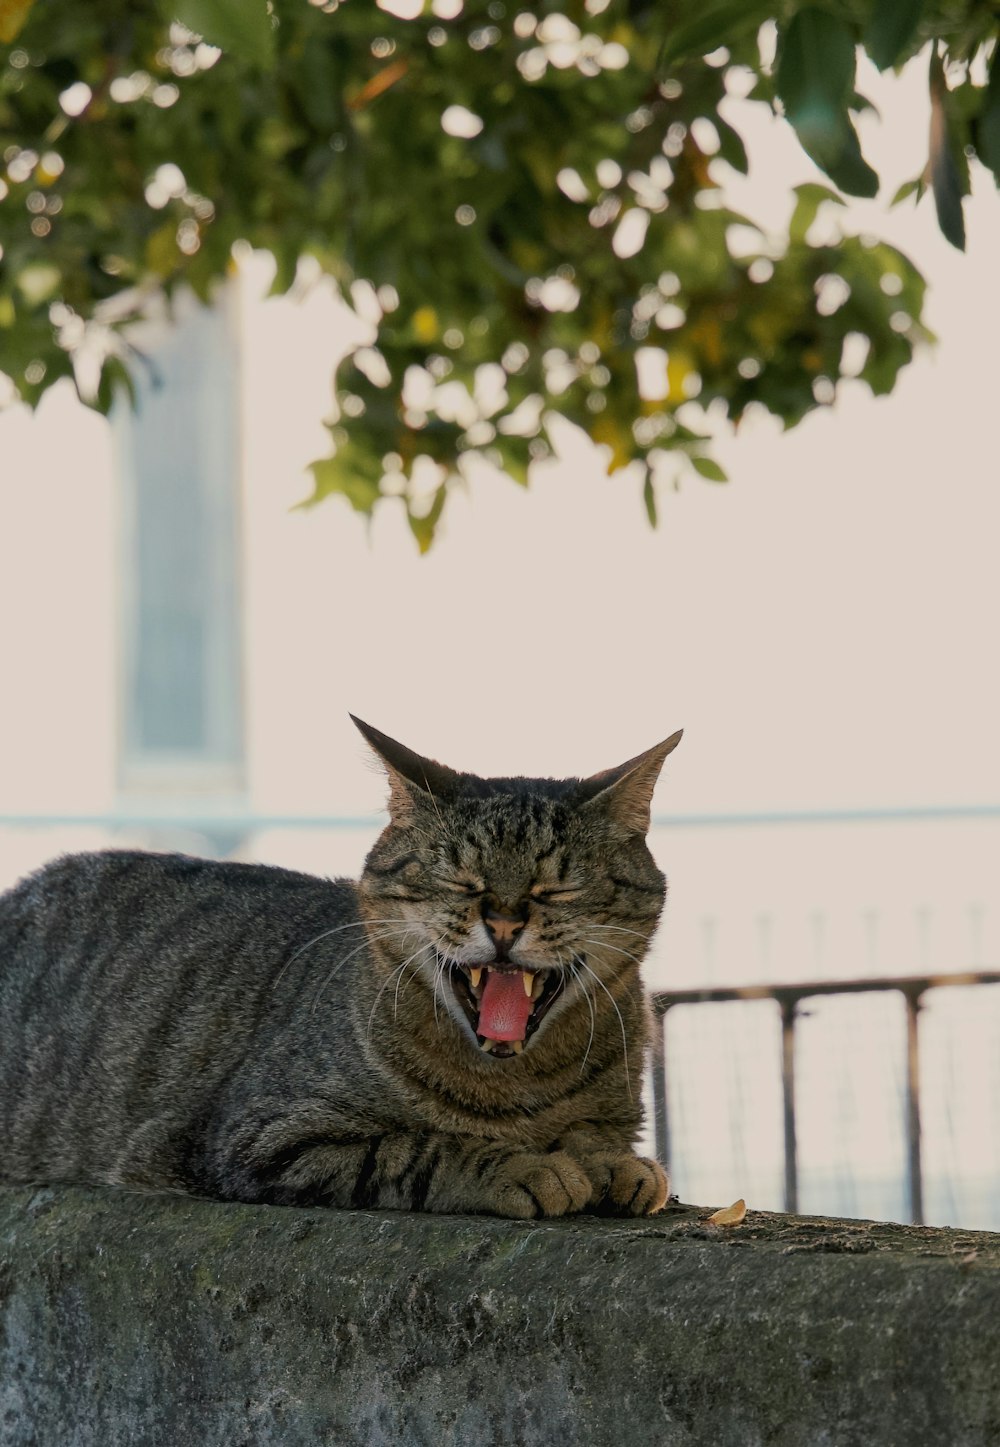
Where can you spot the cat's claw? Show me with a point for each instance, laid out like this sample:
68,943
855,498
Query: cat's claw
533,1185
625,1184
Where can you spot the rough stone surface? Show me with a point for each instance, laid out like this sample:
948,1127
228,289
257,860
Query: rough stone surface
128,1320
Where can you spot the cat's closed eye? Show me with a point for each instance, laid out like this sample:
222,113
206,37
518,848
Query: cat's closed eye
564,894
468,887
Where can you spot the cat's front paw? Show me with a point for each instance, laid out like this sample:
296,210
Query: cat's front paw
625,1184
530,1184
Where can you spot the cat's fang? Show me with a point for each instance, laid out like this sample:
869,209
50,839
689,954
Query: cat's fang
528,980
475,975
517,1046
488,1045
537,985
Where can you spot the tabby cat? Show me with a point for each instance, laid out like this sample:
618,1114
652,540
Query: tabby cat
460,1030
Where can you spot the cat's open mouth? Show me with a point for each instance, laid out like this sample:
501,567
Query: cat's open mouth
504,1005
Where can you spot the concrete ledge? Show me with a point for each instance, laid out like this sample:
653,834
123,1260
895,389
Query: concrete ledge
128,1320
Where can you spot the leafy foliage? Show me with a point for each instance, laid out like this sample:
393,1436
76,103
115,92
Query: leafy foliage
527,205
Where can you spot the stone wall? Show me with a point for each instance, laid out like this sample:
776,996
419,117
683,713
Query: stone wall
128,1320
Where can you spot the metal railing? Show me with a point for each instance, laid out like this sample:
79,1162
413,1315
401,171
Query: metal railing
788,999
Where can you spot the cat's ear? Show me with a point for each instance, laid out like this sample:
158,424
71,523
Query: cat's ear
625,793
412,778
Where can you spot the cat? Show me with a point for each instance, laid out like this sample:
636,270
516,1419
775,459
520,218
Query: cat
461,1030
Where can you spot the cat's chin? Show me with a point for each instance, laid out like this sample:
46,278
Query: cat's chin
503,1004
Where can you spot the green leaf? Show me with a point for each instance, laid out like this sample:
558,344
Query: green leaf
816,64
848,168
13,14
353,472
611,431
516,469
115,379
859,103
946,179
38,282
286,266
714,25
515,457
810,197
891,26
731,147
242,27
815,80
649,498
709,468
423,528
988,128
908,188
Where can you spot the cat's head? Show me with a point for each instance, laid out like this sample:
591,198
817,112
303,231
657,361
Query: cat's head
511,896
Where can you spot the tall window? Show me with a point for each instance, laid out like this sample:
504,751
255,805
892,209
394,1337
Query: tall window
182,652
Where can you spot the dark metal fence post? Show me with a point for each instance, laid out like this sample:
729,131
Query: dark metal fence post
661,1126
788,1008
914,1169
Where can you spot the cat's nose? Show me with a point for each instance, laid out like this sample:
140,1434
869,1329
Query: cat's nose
503,928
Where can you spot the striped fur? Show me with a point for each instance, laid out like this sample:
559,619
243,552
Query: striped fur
247,1033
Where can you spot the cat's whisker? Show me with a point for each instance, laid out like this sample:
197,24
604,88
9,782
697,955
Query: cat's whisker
401,933
438,980
623,929
384,985
444,961
415,956
600,944
414,963
590,1006
388,981
604,945
325,934
621,1022
592,927
438,968
384,935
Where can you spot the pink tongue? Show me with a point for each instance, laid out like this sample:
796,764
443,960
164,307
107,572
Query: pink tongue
504,1007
